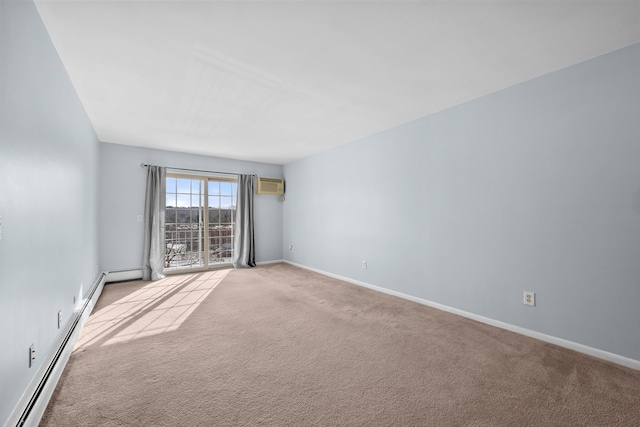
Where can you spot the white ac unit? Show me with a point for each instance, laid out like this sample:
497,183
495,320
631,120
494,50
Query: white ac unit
273,186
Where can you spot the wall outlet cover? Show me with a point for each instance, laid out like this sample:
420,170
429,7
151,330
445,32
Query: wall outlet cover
32,355
529,298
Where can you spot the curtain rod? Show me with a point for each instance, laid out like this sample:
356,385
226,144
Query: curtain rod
144,165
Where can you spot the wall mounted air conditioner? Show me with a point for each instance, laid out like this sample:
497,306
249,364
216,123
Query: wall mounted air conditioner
270,186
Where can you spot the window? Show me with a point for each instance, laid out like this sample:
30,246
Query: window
200,219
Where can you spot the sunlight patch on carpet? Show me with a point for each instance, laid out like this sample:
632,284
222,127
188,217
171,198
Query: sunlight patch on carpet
156,308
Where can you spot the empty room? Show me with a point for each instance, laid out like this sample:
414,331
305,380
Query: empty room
291,213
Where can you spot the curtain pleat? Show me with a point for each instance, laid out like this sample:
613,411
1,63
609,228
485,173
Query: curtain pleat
154,224
244,244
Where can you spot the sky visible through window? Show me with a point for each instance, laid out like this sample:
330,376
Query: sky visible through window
184,193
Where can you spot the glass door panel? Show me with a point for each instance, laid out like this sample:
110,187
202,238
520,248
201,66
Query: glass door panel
184,221
221,207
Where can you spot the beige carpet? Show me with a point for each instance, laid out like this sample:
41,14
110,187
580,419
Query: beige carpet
281,346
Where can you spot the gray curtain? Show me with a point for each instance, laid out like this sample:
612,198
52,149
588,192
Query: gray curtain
154,208
244,246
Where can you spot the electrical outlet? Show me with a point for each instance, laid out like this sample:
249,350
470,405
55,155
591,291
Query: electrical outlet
364,264
59,319
291,248
32,354
529,298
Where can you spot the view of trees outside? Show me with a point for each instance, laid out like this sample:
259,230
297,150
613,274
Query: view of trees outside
195,233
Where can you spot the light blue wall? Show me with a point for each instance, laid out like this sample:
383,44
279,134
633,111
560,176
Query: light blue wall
122,193
536,187
48,203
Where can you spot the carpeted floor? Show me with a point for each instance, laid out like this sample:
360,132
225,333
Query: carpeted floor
281,346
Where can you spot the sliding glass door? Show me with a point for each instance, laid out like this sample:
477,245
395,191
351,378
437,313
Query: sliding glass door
200,216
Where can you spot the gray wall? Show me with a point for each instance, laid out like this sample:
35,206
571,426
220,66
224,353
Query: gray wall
122,193
536,187
48,204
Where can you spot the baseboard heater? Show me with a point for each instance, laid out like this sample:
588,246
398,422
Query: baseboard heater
124,275
34,401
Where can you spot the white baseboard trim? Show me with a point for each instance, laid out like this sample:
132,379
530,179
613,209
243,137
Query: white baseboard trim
275,261
136,274
29,410
123,275
581,348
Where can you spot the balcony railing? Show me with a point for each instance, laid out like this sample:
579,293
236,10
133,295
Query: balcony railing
187,248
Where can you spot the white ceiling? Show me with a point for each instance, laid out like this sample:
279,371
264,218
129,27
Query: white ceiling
278,81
